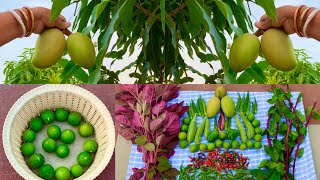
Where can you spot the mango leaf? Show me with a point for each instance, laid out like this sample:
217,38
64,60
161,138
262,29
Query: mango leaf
238,15
95,74
269,7
69,73
172,25
227,13
39,81
80,74
97,10
149,23
85,16
163,14
217,41
257,70
57,7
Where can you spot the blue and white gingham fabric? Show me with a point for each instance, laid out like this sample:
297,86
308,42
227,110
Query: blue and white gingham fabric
304,166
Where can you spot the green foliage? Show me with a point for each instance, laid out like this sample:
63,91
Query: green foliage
23,72
305,72
157,31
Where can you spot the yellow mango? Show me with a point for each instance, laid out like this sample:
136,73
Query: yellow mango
49,48
278,50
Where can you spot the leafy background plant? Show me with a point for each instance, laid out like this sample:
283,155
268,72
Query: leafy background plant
159,29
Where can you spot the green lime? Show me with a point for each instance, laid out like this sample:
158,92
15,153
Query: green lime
49,145
86,130
76,170
258,137
213,136
222,135
36,124
219,143
27,149
226,145
193,148
183,144
47,116
203,147
61,114
62,173
84,159
35,161
54,132
68,136
184,128
211,146
258,130
74,118
186,120
256,123
235,144
46,171
257,145
182,136
250,116
28,135
90,145
249,144
62,151
243,146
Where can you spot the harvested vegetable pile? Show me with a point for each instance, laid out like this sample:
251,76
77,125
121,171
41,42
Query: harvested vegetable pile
216,165
146,120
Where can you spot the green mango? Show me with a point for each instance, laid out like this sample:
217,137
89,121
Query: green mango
49,48
81,50
213,107
228,106
244,52
278,50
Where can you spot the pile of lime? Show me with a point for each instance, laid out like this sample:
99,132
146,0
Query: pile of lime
58,142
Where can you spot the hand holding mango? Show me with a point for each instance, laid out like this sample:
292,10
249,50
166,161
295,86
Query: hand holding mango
51,44
276,46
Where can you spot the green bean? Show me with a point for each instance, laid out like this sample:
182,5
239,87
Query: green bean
241,130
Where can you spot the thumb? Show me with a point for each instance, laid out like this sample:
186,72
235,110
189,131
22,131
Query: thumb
62,24
265,23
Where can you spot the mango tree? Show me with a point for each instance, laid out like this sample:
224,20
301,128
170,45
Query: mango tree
161,28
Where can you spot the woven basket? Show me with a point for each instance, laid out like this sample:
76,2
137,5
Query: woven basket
73,98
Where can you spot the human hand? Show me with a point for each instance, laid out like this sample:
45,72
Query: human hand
285,20
42,18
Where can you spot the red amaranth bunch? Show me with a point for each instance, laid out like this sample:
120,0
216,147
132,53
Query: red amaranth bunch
144,117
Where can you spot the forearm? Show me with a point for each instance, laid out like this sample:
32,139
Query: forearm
9,28
313,29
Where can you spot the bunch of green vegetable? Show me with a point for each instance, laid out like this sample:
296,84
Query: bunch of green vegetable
286,130
23,71
252,136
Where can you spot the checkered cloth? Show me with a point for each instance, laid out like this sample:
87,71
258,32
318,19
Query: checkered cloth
304,166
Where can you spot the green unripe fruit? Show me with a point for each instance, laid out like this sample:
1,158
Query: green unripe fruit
49,48
203,147
244,52
193,148
81,50
220,92
227,106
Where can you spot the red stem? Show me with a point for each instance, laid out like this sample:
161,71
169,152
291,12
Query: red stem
268,135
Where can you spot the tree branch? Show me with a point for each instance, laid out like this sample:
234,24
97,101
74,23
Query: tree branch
141,8
178,9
